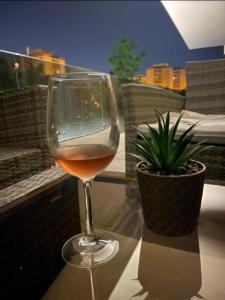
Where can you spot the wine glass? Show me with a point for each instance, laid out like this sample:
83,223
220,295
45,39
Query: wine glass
83,137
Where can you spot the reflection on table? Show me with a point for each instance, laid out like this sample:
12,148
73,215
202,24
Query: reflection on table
154,267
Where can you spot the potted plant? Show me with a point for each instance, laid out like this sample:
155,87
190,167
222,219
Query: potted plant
170,181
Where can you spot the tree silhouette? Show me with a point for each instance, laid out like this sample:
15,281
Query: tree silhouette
124,61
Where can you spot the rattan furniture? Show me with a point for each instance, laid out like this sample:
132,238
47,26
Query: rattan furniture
37,216
22,127
39,210
205,94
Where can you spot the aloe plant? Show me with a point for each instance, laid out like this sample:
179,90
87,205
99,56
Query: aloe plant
160,149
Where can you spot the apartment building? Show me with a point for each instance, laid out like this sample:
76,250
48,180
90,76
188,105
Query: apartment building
56,65
165,76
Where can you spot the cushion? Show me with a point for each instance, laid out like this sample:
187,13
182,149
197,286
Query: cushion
210,127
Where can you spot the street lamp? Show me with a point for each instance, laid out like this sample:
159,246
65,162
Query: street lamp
16,67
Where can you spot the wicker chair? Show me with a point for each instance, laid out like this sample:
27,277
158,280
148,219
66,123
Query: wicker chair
205,94
38,211
23,143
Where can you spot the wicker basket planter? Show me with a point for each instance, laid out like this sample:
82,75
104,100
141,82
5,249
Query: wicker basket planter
171,204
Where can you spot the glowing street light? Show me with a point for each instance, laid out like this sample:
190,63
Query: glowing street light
16,67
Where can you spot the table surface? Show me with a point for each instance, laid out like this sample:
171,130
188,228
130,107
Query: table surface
150,266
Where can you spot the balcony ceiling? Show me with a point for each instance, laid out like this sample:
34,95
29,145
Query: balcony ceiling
200,23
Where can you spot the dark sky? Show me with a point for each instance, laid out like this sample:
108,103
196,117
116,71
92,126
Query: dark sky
84,32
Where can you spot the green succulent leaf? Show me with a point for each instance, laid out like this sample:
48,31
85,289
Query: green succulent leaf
163,149
173,131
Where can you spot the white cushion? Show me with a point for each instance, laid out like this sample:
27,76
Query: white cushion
210,127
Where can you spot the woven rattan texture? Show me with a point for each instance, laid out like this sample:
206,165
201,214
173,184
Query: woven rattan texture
17,164
33,232
140,102
206,86
25,187
214,159
205,94
39,207
23,119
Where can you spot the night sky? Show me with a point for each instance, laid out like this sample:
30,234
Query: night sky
84,32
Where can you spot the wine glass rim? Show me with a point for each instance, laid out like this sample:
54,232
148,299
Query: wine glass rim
81,75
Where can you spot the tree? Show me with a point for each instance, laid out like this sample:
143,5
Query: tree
125,62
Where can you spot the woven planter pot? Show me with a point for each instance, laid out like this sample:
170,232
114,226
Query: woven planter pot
171,204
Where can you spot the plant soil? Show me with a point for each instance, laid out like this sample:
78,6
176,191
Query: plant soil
191,167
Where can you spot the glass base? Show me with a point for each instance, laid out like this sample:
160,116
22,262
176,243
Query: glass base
87,252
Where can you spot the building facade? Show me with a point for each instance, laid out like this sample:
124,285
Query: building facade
165,76
53,64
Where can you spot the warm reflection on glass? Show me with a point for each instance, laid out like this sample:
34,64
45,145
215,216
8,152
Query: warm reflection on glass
169,268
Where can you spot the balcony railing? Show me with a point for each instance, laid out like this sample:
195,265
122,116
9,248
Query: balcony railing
18,71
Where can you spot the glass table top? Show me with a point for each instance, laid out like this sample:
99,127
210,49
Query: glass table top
150,266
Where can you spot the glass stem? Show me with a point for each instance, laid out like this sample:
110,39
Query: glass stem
89,228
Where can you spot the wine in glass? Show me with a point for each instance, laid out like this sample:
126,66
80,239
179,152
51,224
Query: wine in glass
83,137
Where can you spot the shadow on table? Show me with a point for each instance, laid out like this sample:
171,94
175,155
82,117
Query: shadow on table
212,223
169,268
95,284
